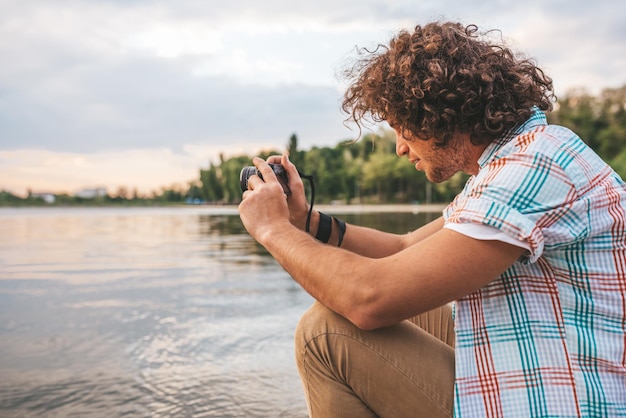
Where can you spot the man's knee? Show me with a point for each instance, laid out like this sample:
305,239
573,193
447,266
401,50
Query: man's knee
310,325
316,322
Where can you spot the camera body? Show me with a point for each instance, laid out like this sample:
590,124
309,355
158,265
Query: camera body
278,169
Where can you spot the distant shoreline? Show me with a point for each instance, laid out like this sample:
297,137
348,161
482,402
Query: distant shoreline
368,208
383,208
233,209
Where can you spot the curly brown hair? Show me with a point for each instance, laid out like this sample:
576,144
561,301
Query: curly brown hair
442,79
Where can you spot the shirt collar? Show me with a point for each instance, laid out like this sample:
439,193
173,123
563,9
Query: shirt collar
537,118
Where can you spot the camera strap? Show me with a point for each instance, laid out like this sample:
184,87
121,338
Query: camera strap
326,222
312,183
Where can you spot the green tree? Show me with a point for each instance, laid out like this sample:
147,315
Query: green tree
612,133
295,155
600,121
230,170
211,187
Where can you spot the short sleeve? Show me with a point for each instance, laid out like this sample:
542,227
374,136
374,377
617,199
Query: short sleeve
505,219
527,196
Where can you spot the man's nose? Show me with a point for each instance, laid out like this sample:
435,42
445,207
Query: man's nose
401,146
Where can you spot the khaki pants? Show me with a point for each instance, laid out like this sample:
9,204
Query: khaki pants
405,370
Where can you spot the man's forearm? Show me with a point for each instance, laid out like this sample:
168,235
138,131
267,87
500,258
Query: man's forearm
373,243
333,276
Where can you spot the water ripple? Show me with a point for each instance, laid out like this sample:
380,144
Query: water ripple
144,313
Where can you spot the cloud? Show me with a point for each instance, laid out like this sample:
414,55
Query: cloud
161,85
144,102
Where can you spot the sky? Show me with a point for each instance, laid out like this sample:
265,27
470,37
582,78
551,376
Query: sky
142,94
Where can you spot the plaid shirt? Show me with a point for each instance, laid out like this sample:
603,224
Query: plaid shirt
548,337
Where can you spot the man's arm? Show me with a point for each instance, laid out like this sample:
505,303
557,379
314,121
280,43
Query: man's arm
373,292
376,244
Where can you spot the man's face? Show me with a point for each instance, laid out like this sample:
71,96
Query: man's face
439,163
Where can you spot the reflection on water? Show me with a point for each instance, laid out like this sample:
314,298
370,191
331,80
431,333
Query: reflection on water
147,312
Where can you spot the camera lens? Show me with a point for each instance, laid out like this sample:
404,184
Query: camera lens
278,169
245,174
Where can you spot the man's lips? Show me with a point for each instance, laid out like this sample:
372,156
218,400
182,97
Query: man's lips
416,163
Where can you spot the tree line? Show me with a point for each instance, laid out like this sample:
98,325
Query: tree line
172,195
364,171
368,171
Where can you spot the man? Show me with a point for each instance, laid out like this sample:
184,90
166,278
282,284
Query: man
532,252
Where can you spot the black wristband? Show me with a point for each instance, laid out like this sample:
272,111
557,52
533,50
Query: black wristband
323,230
342,230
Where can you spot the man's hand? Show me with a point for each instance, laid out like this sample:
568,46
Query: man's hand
264,205
298,205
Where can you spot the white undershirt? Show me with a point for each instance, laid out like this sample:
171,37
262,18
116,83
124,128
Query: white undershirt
485,233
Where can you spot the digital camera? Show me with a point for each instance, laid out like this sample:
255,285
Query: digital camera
278,169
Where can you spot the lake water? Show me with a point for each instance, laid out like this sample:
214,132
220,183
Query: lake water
155,312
